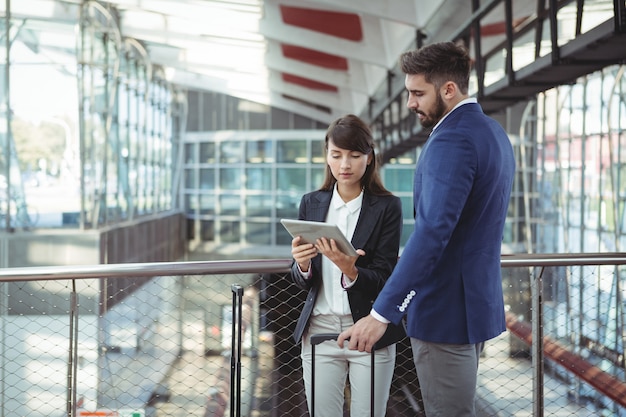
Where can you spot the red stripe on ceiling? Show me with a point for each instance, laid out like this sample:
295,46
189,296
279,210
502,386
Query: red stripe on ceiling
306,82
499,28
341,25
313,57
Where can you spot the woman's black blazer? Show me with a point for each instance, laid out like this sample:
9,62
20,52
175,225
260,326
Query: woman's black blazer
378,233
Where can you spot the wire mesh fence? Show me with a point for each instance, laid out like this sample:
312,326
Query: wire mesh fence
161,346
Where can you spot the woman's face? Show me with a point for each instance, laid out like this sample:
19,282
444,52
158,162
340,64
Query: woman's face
348,167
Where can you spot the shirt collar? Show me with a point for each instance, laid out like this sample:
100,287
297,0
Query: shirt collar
353,206
459,104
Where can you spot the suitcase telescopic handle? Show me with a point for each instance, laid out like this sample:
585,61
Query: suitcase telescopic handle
236,289
318,338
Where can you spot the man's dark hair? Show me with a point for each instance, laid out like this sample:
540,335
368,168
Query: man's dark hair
439,63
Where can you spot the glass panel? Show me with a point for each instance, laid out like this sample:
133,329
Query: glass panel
398,179
207,179
190,178
291,151
259,178
291,179
259,205
191,203
229,232
207,204
44,106
317,153
287,206
259,233
407,207
230,179
317,176
261,151
190,153
207,153
207,230
282,235
230,205
230,152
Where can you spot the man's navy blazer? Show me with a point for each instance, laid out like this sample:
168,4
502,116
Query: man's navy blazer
377,232
448,279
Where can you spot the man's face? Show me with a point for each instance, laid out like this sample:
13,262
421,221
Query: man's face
424,100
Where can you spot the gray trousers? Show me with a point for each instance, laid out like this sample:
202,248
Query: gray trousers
447,376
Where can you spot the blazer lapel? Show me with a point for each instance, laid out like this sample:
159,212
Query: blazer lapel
319,207
320,202
370,213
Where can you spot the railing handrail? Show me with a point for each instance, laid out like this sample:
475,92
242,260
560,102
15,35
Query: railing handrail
146,269
563,259
254,266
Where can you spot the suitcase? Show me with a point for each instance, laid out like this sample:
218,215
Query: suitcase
235,352
318,338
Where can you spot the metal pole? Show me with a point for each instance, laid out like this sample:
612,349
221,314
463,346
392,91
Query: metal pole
4,289
235,357
537,342
72,362
7,104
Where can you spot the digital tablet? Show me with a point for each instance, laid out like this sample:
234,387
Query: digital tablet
311,231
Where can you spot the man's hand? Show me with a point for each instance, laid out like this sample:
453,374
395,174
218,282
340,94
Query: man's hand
363,334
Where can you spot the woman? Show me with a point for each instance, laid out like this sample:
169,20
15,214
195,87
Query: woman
343,288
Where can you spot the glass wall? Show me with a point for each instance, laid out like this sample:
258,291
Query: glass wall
239,184
39,169
128,111
576,203
89,138
580,199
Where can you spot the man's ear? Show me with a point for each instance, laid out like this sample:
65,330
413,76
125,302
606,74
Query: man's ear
449,90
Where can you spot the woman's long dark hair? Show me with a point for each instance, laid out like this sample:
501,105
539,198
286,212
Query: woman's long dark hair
351,133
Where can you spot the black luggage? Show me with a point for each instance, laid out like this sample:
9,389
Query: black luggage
318,338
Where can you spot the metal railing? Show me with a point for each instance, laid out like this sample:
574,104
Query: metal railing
67,350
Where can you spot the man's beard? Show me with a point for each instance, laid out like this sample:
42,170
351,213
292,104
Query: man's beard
433,117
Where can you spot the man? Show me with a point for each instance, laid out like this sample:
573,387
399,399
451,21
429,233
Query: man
448,279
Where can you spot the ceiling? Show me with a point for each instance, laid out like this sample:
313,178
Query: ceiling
318,58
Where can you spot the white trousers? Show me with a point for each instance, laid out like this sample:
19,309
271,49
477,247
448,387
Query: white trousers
334,364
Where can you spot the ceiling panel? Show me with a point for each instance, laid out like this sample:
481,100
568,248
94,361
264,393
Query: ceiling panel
320,58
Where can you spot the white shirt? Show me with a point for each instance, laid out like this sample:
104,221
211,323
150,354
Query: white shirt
333,298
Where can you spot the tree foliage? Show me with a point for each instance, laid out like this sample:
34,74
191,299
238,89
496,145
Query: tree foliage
36,142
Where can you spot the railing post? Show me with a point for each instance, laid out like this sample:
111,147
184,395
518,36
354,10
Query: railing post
235,356
72,362
536,294
4,291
